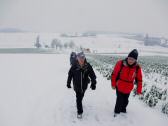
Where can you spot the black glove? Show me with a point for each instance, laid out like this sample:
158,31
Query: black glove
94,82
88,80
68,86
93,86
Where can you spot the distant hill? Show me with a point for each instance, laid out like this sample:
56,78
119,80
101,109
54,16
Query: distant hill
8,30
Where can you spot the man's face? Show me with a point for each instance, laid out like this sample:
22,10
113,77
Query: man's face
131,60
81,61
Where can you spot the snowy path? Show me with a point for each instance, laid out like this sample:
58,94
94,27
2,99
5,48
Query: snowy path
33,93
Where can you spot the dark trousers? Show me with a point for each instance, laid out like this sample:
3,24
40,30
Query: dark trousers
121,102
79,98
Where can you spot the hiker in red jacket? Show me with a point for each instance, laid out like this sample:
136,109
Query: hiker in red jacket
124,75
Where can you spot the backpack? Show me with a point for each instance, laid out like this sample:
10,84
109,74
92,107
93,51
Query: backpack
73,58
118,76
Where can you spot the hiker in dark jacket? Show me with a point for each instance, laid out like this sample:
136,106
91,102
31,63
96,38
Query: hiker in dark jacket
123,77
80,73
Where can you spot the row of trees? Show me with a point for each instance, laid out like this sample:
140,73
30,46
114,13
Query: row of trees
55,44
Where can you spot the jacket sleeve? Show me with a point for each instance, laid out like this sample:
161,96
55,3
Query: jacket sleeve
70,75
115,73
139,80
92,75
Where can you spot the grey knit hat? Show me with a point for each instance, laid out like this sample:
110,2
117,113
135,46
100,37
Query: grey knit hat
81,55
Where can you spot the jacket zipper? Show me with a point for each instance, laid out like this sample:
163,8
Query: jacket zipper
129,74
81,82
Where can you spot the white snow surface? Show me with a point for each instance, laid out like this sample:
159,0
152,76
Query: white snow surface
33,93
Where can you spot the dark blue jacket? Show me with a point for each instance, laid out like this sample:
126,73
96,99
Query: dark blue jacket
80,76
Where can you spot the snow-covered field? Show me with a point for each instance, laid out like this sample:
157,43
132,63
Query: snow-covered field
33,93
102,43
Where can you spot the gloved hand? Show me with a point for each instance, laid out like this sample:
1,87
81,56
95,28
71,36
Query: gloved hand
93,86
113,87
88,80
139,93
68,86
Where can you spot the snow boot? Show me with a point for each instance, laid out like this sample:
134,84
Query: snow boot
116,114
79,116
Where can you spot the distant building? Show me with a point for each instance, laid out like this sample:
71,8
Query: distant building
86,50
164,42
88,34
150,41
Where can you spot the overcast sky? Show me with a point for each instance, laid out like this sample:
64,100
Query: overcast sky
147,16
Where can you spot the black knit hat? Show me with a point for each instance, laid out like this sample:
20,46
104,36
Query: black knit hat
133,54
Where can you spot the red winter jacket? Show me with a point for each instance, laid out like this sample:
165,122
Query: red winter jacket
125,83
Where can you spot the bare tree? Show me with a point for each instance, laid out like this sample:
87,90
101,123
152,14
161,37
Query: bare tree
65,45
56,44
71,44
37,44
